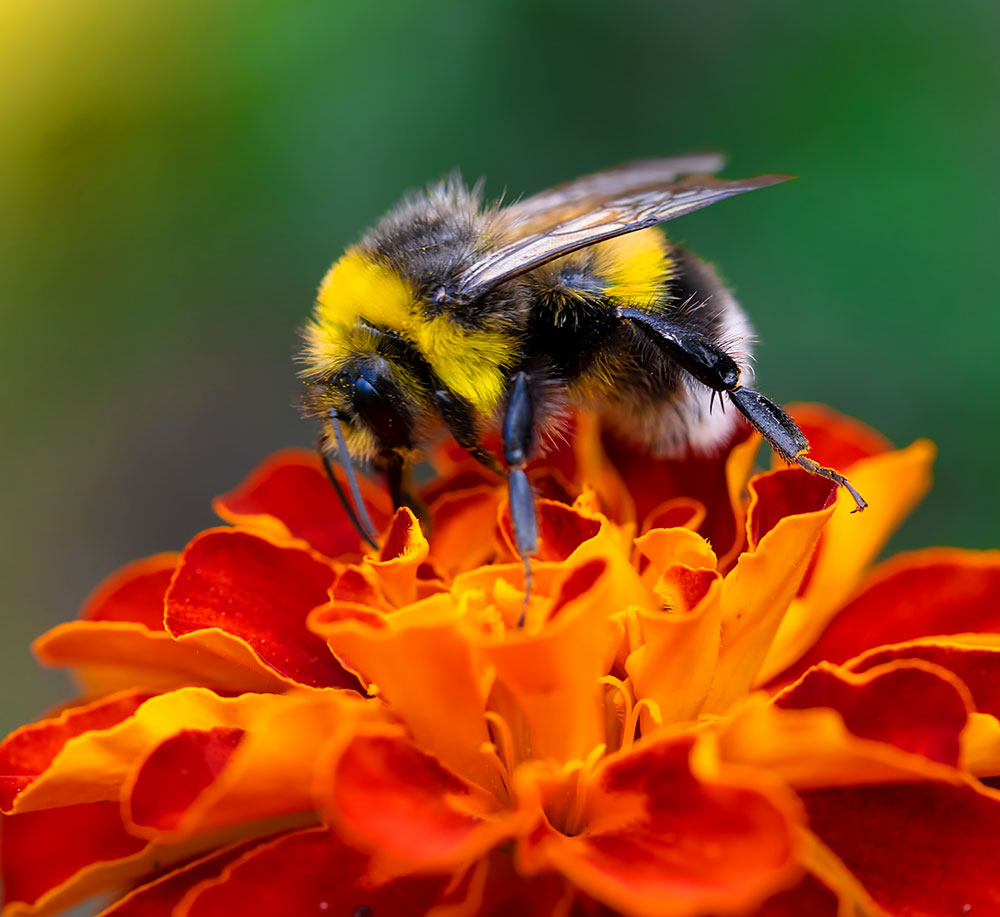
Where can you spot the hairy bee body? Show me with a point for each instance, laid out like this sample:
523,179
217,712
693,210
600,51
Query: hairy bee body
385,308
477,318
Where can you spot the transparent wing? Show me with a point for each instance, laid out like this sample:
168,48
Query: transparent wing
616,217
572,198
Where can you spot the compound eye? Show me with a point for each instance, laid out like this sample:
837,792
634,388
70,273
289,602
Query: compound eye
383,413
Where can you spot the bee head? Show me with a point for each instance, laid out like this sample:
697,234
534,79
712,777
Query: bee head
368,402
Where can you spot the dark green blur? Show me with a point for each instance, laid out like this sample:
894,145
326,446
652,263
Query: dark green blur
176,175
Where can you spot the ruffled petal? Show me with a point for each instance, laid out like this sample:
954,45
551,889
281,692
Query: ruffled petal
158,897
665,831
289,496
924,593
812,748
135,593
158,799
308,872
260,769
552,673
877,704
716,482
892,483
29,751
111,656
758,590
675,664
405,808
420,662
397,565
93,766
243,586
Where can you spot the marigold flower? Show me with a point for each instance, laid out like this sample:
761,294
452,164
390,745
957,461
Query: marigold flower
716,705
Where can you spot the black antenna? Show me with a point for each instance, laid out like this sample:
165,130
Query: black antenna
358,514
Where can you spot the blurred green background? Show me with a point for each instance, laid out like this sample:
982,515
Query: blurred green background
176,175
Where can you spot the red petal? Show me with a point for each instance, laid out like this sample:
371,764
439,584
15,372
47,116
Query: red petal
176,772
936,591
908,706
27,753
702,478
260,592
561,530
836,440
786,492
657,839
405,805
134,593
292,489
919,849
977,667
810,898
158,898
43,849
309,872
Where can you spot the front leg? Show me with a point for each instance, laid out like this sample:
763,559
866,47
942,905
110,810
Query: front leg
518,432
712,366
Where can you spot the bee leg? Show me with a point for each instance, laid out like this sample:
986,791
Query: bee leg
785,438
711,365
518,430
457,416
366,531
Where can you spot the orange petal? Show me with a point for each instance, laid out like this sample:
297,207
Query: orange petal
676,662
92,766
27,753
552,674
461,536
289,496
261,593
421,663
269,775
134,593
892,483
924,593
404,807
403,551
667,832
758,590
110,656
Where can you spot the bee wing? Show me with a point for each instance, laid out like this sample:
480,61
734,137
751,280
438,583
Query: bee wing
613,217
586,193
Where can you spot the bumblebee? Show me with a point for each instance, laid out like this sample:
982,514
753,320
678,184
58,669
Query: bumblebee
477,318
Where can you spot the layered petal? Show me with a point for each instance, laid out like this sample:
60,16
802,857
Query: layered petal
307,872
289,496
664,830
235,591
924,593
405,808
892,483
759,589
